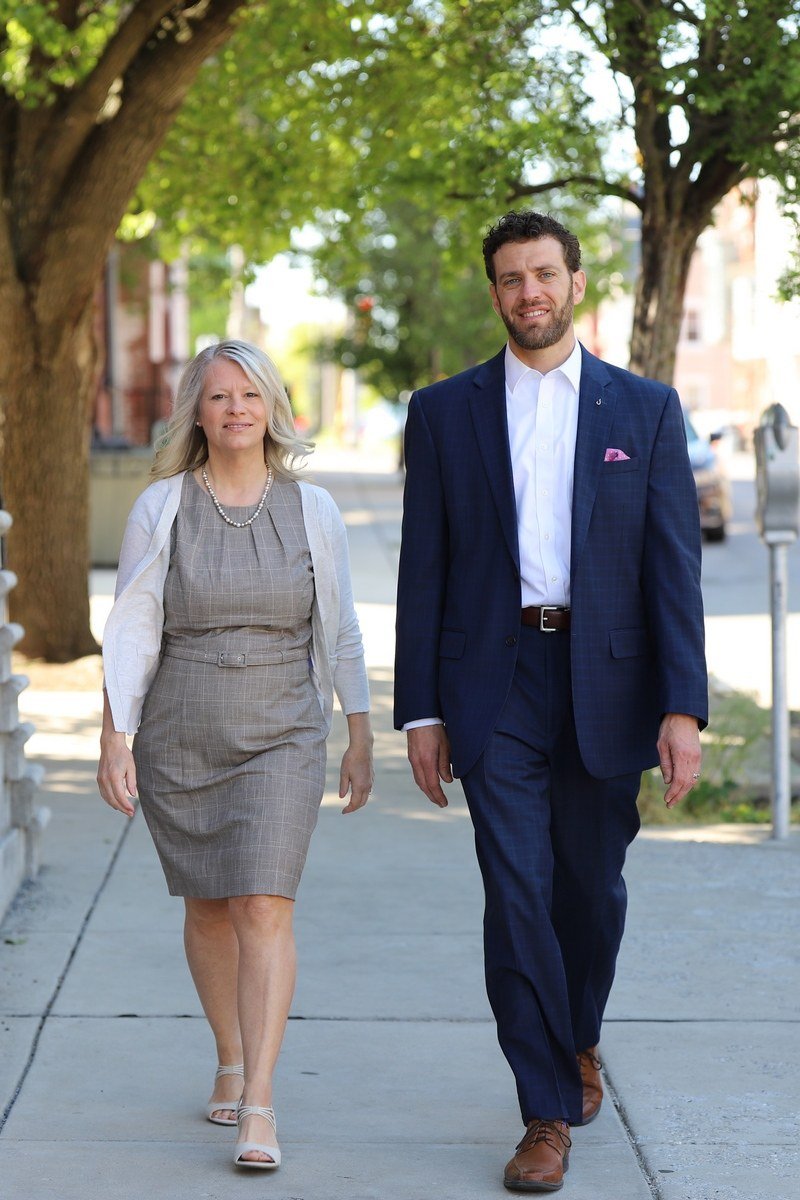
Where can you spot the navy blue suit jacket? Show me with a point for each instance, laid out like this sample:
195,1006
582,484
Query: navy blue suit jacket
637,617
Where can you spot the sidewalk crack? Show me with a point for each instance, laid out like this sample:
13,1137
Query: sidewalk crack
60,981
645,1168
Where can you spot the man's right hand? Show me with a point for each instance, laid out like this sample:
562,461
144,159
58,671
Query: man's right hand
429,755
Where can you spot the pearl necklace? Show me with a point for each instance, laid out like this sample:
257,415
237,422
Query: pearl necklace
221,510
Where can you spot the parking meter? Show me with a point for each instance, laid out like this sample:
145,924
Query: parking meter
777,476
778,517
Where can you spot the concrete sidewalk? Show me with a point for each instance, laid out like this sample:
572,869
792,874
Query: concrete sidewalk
391,1085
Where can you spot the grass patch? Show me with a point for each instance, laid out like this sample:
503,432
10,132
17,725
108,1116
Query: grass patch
736,772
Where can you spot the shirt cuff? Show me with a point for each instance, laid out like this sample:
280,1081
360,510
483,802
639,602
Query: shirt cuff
422,721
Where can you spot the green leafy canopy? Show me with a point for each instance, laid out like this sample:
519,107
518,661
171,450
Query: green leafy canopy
42,53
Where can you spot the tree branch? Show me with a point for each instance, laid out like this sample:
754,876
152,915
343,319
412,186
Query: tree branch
9,283
25,193
588,29
651,125
605,187
67,12
8,115
116,155
707,56
709,138
685,13
78,112
626,46
715,180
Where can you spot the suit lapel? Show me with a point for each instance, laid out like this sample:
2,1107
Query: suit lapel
487,403
596,405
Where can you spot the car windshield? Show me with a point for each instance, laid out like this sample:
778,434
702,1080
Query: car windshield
691,433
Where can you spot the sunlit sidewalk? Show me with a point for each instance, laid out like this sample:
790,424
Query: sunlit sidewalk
391,1084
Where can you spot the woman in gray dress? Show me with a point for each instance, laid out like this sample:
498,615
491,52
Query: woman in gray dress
233,624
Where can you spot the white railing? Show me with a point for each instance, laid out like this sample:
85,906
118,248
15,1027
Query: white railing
22,822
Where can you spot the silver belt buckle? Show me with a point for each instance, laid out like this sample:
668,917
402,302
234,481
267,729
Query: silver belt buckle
546,608
227,658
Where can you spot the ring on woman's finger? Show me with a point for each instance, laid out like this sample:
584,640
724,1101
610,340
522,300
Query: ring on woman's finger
696,776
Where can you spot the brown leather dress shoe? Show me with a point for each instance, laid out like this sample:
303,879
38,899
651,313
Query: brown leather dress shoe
541,1160
590,1065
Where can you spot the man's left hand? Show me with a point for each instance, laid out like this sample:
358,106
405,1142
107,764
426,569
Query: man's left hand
679,754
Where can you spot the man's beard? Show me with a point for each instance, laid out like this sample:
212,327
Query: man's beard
540,337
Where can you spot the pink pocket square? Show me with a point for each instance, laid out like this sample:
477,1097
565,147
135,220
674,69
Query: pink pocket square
615,455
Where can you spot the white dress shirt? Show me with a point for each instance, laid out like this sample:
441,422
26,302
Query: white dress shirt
542,414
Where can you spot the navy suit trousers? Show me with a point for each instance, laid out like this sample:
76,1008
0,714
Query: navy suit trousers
551,843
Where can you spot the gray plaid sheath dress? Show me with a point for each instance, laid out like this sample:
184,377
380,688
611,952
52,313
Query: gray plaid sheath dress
230,753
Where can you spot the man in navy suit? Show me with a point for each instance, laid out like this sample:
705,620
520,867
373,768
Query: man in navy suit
549,649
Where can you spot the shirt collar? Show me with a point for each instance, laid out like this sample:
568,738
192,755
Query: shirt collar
516,369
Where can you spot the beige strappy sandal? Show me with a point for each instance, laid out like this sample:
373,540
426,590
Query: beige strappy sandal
254,1110
215,1106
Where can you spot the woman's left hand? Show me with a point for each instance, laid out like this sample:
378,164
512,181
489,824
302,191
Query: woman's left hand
356,775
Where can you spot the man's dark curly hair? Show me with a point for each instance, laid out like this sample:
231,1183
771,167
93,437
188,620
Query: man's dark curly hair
529,226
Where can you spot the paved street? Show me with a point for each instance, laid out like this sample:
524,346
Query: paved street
391,1085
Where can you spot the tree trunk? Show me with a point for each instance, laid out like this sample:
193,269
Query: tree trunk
72,156
667,246
45,388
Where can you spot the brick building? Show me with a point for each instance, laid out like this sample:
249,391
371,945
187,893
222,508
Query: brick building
143,331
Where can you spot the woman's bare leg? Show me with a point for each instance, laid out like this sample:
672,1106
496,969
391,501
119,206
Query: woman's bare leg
267,967
212,951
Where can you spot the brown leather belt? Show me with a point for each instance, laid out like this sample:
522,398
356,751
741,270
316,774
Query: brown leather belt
548,618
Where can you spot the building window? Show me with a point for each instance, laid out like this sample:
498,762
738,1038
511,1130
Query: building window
693,396
691,325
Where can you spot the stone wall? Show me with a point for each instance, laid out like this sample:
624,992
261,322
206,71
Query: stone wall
117,477
22,822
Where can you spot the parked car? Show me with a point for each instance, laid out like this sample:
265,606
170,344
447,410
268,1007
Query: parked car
711,481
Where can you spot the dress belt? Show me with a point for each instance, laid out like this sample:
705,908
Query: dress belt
237,658
549,618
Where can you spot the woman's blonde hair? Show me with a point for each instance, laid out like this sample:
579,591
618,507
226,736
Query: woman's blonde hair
183,446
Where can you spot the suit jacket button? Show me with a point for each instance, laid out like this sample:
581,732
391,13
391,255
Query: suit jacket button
511,641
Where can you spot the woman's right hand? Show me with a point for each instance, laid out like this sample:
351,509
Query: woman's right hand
116,775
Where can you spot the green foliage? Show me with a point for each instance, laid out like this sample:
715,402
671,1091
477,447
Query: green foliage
417,302
329,111
209,288
40,54
416,290
399,130
253,152
724,77
789,281
735,781
341,113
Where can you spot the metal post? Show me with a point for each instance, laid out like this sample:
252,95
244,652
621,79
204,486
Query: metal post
777,443
781,791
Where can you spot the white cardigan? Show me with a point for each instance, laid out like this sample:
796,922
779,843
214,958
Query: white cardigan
132,638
